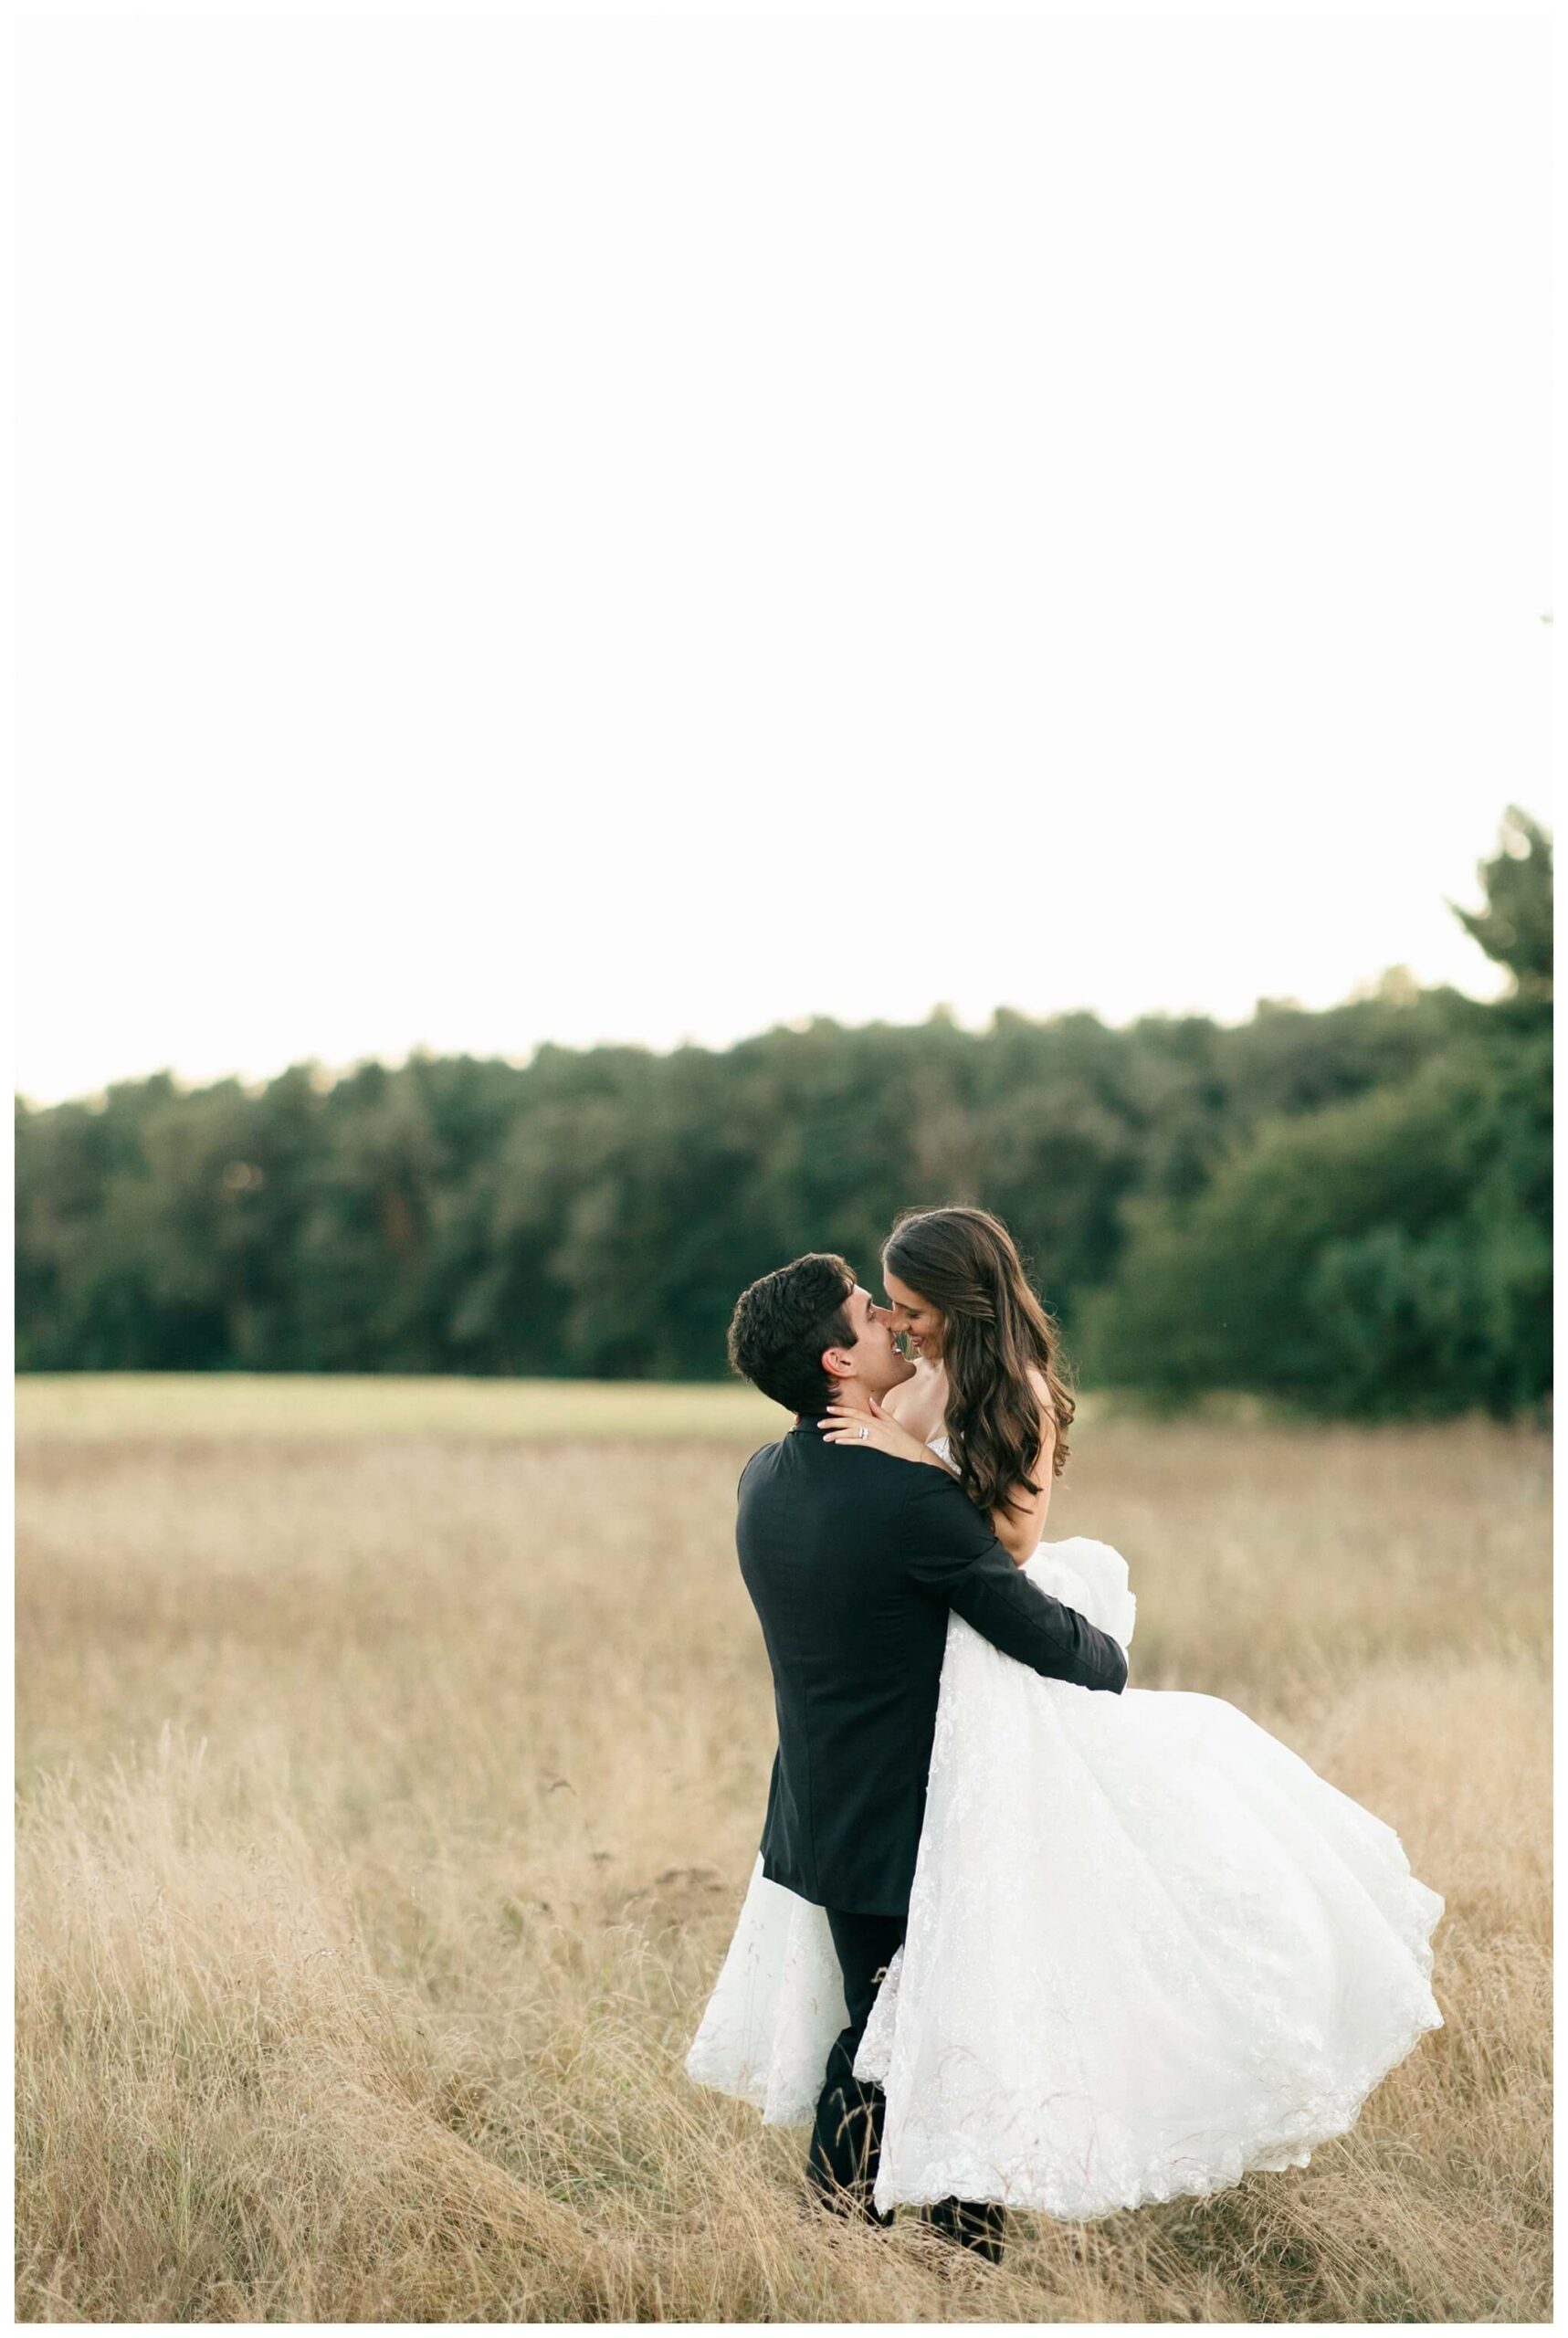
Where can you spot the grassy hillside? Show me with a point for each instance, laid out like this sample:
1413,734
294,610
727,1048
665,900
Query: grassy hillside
386,1796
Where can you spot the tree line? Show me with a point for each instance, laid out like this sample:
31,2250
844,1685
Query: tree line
1349,1210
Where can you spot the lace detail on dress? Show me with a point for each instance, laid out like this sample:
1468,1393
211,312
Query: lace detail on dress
776,2007
1149,1947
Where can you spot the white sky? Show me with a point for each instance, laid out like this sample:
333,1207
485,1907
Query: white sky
590,529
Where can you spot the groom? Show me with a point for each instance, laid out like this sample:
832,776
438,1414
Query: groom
853,1561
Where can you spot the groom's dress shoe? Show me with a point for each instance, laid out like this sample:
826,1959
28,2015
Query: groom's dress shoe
979,2225
818,2199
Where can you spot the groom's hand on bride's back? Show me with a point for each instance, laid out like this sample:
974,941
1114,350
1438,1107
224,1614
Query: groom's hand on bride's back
951,1552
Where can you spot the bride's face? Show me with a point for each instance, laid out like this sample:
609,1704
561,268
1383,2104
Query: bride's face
915,1317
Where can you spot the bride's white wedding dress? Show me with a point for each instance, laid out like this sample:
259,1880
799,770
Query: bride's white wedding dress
1149,1947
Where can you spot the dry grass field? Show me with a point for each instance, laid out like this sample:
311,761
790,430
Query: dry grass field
388,1785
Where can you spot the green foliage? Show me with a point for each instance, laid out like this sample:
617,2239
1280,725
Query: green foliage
1386,1257
1350,1209
1515,927
1389,1256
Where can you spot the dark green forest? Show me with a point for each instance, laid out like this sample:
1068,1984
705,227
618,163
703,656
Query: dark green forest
1348,1211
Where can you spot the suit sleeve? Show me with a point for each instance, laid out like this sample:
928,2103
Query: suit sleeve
951,1552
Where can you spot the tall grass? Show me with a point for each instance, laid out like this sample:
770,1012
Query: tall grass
386,1804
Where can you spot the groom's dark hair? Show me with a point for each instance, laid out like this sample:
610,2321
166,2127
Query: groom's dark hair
782,1322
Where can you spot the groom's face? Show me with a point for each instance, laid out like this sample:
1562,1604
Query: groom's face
873,1360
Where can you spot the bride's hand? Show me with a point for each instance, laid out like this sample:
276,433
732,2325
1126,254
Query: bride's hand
847,1424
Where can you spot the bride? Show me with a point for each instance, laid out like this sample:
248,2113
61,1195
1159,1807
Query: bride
1167,1952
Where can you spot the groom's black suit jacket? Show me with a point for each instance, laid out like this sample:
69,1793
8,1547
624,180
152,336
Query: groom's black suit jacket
853,1559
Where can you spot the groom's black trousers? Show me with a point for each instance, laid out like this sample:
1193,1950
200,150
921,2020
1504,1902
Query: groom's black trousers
846,2136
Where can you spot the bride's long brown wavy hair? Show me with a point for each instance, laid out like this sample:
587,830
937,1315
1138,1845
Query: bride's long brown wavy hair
964,1263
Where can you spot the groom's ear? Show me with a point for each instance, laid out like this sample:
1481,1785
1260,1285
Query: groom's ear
838,1363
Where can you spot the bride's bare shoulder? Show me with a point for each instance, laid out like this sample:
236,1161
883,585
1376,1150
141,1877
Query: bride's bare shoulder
897,1400
919,1403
